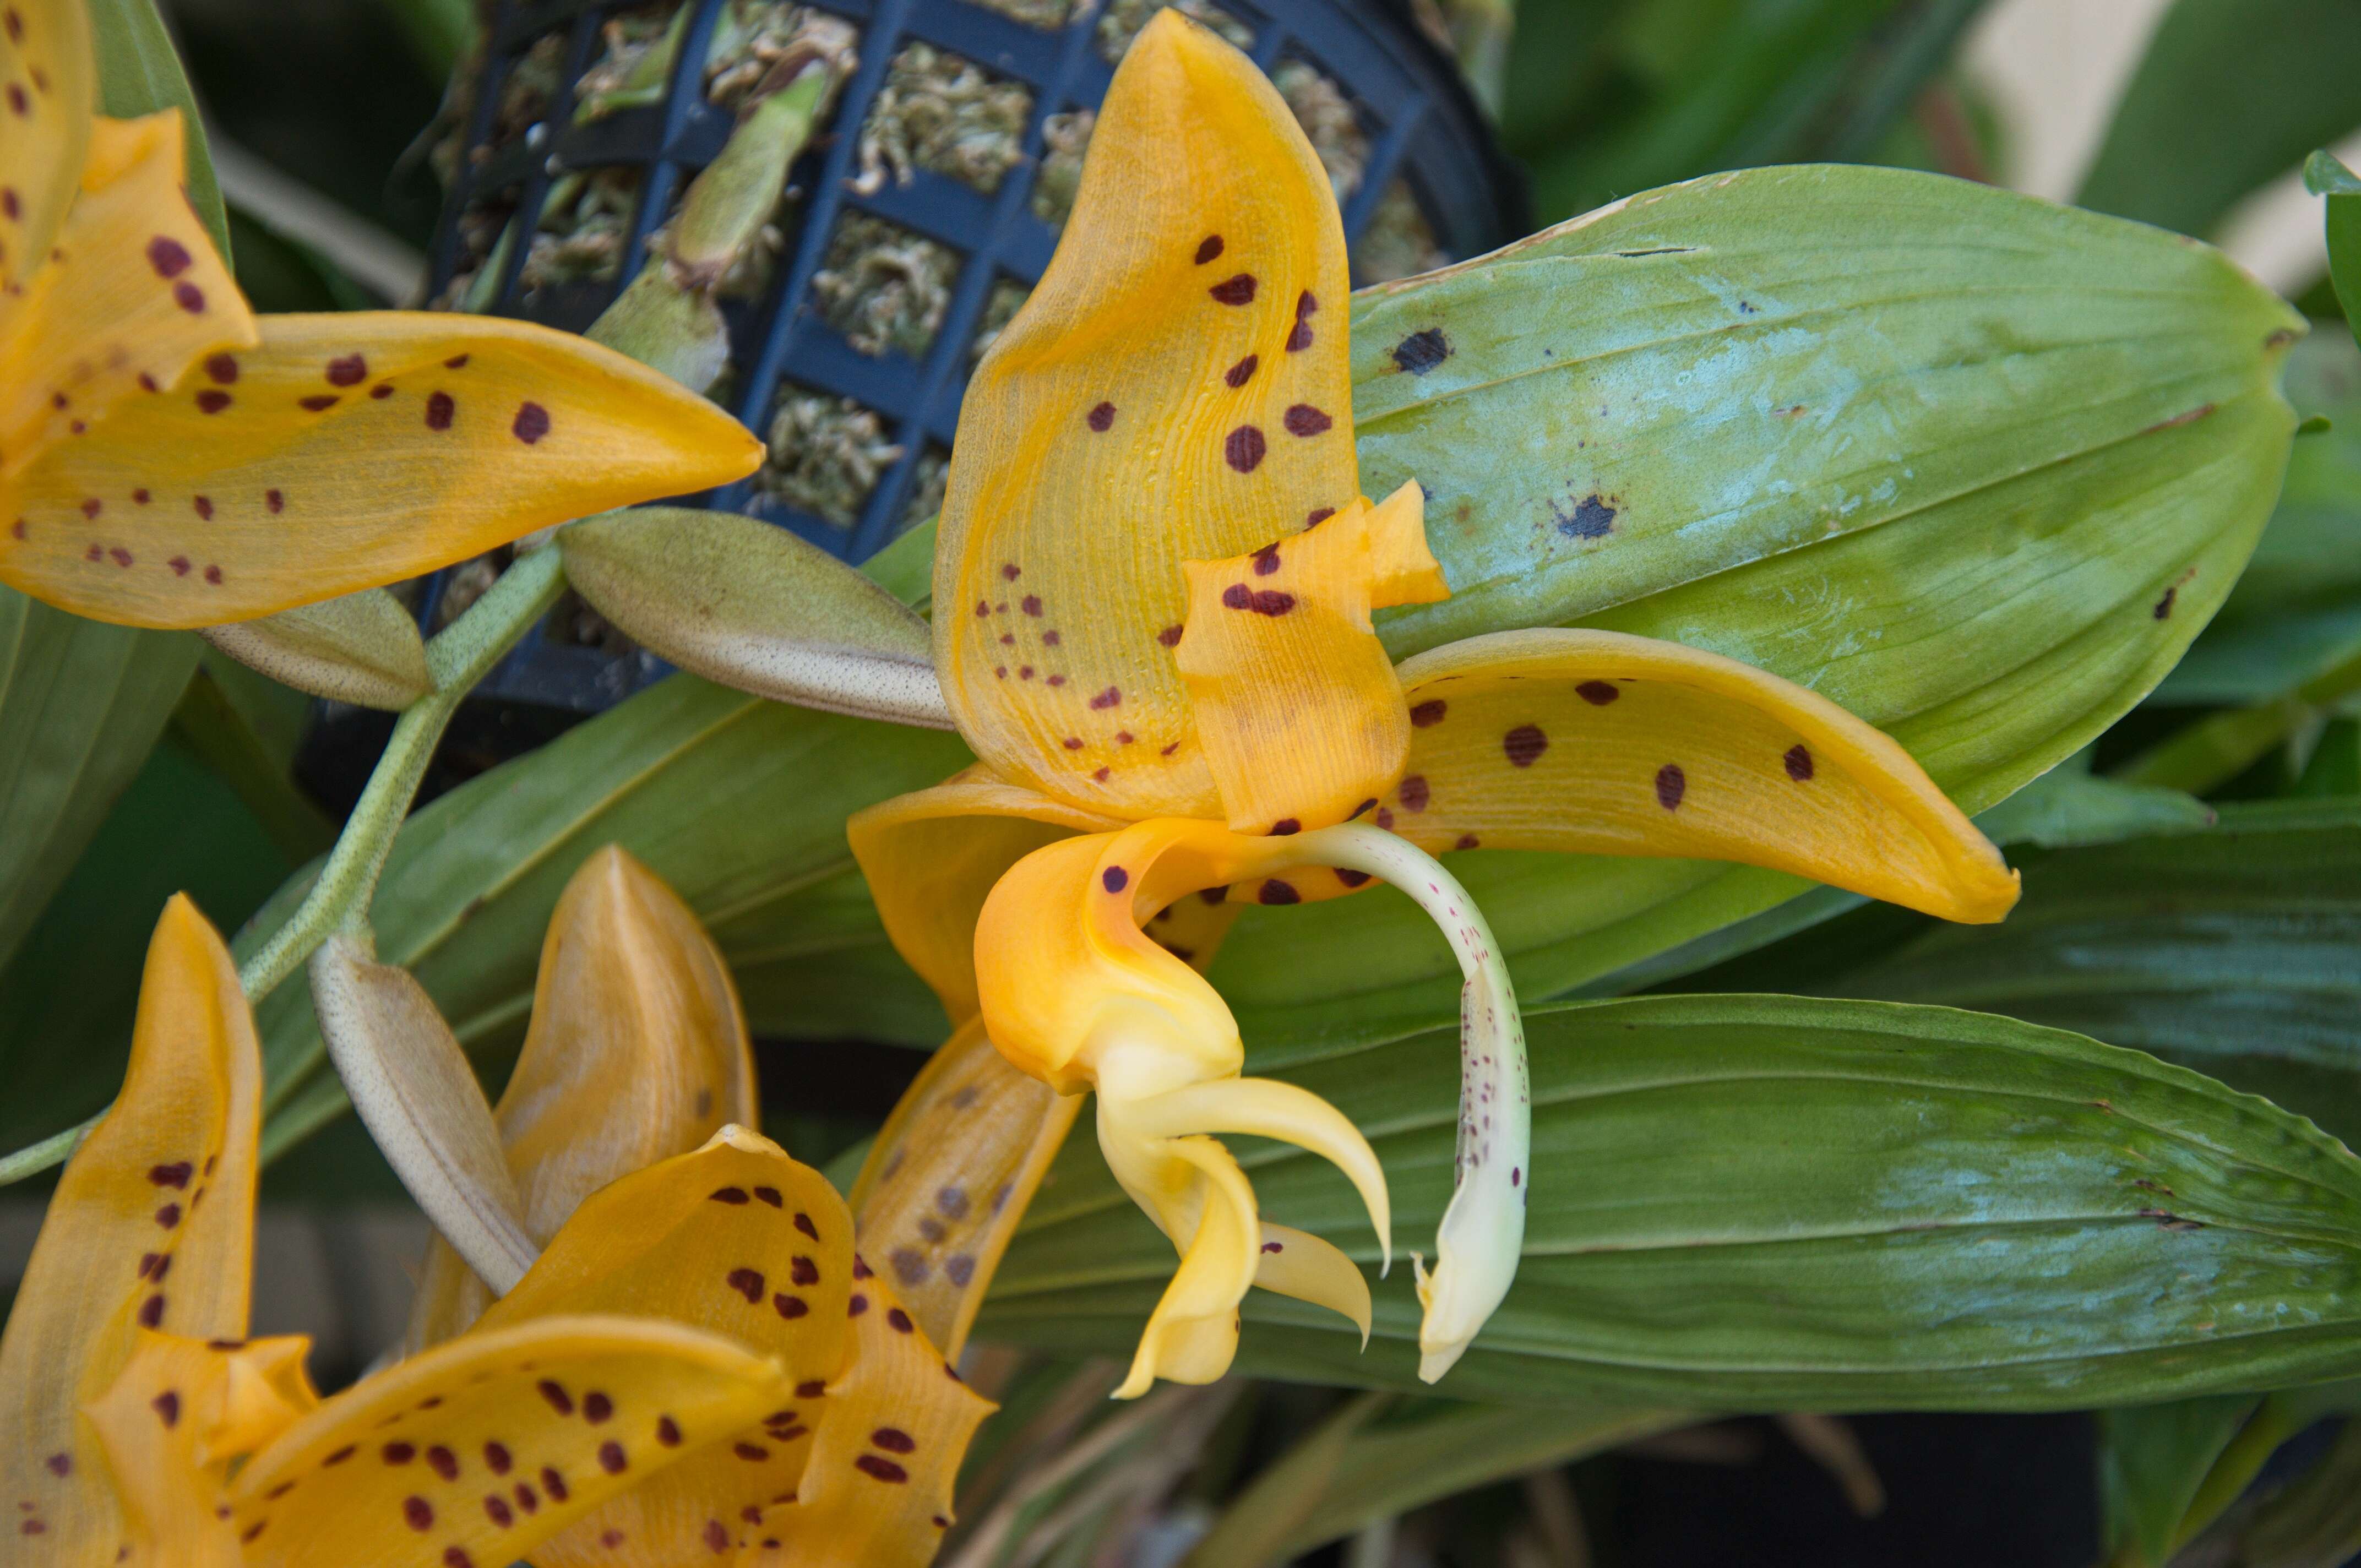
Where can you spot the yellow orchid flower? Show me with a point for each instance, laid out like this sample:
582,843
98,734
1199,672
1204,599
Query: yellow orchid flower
1152,593
145,1429
167,458
621,1129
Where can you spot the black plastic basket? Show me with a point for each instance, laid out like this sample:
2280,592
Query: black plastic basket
1423,134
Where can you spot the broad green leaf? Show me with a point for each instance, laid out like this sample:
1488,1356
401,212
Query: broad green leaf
2297,611
80,703
1774,1203
2235,950
361,648
2153,1459
2324,176
2231,95
1975,467
2070,805
1367,1462
138,73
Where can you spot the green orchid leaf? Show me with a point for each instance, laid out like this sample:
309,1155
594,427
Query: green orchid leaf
361,648
2152,1461
2296,613
2231,95
1369,1462
80,703
1774,1203
2235,950
1991,585
2068,805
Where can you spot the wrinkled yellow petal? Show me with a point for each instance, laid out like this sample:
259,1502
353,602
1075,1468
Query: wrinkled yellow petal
878,1492
931,856
637,1052
950,1174
49,83
345,452
473,1454
134,294
1299,1264
1176,389
1296,700
735,1238
182,1409
1076,995
150,1227
1603,743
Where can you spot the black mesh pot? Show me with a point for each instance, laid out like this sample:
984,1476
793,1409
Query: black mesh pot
556,190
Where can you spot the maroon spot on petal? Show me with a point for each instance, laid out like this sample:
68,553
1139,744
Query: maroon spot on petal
174,1176
189,297
1265,560
1235,290
339,1456
1101,775
497,1510
747,1282
1073,743
1799,763
223,368
727,1195
1102,418
169,1215
717,1536
789,1307
498,1458
860,1269
1169,636
456,362
168,255
1412,792
382,389
1516,1175
214,576
1273,1247
152,1311
439,408
553,1484
443,1463
1671,785
1030,604
1024,672
1466,841
1285,827
1244,447
211,400
1598,694
140,495
893,1440
1208,249
769,1195
204,505
803,1271
596,1408
531,421
554,1392
456,1557
418,1512
60,1463
1302,419
17,529
857,1305
610,1457
527,1499
1238,375
91,506
1011,570
1429,713
1524,745
1115,879
147,382
349,370
274,500
749,1452
1318,515
1050,639
1350,877
320,402
611,1539
881,1469
804,1223
95,552
1107,698
1277,891
1298,337
398,1453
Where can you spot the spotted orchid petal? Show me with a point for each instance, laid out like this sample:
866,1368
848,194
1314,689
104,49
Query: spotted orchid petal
1176,389
637,1051
344,452
877,1492
932,856
150,1228
1604,743
1281,661
48,82
1076,993
479,1452
179,1413
132,295
950,1176
735,1239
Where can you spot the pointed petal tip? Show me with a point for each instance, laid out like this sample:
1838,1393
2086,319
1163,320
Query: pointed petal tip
1433,1362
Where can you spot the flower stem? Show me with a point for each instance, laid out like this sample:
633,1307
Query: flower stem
1483,1231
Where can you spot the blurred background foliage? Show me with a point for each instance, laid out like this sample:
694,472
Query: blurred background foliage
2192,882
